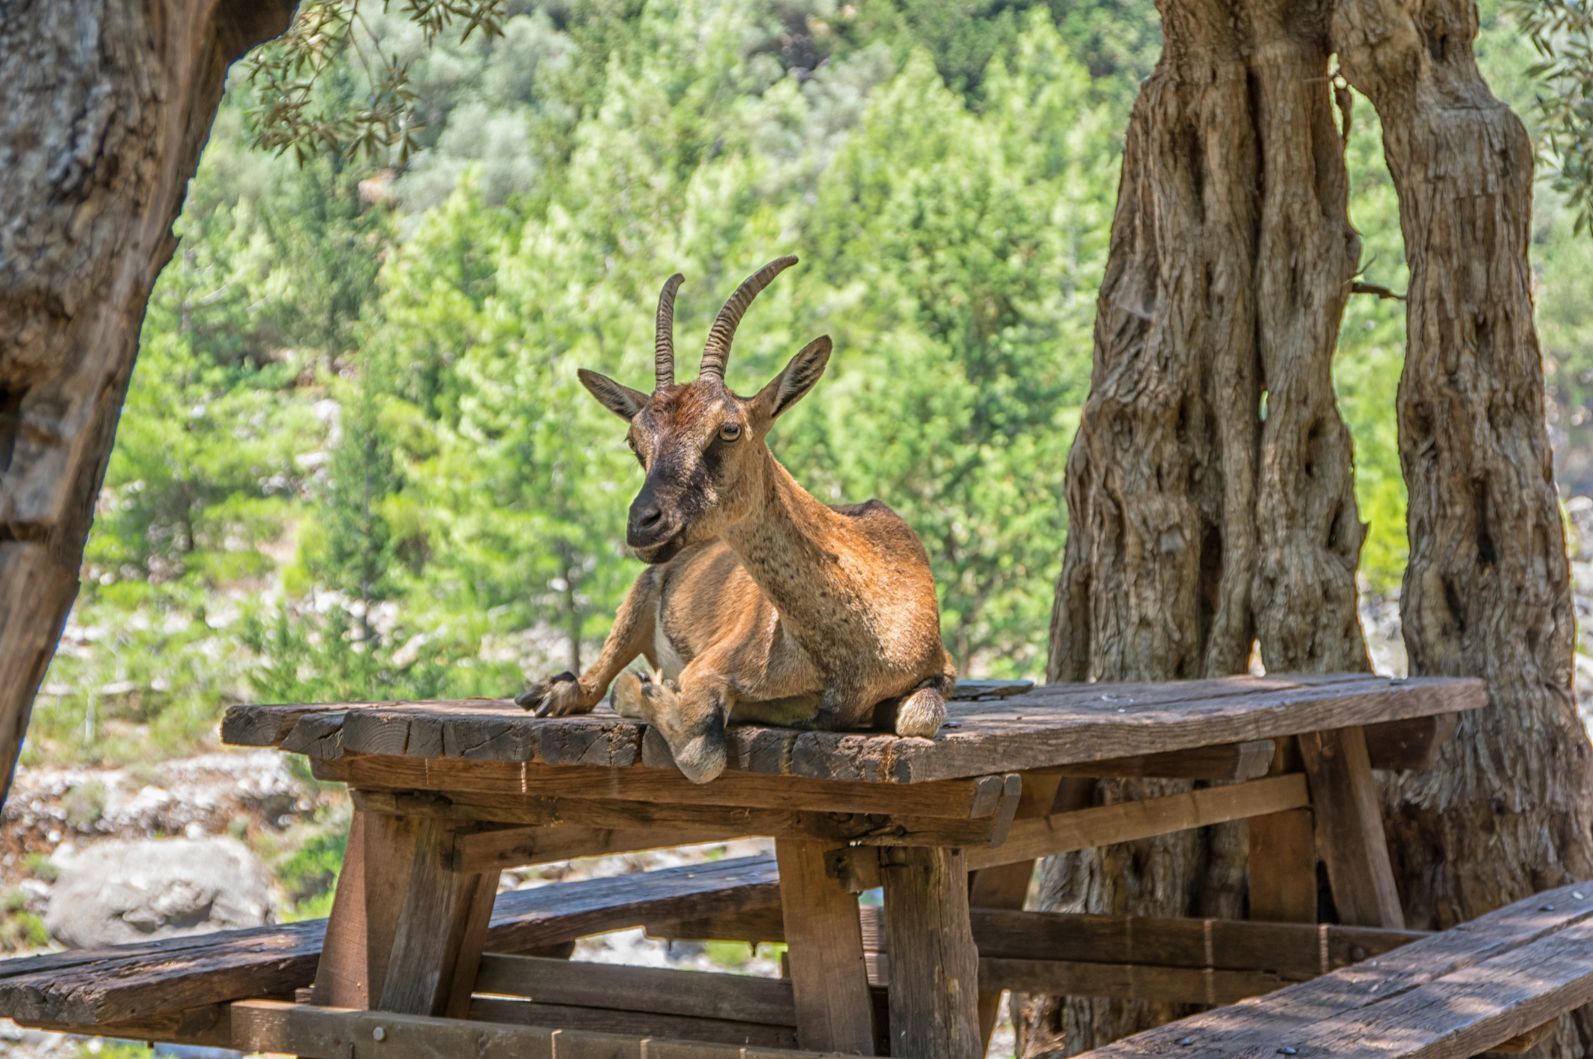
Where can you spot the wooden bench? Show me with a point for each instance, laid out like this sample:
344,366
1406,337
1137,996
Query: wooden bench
1460,992
157,990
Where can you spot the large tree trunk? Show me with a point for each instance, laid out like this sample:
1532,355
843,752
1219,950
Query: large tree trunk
1508,810
107,105
1197,514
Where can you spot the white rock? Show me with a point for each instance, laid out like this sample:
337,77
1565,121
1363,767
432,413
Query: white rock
122,891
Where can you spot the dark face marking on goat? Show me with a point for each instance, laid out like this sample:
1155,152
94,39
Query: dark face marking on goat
700,445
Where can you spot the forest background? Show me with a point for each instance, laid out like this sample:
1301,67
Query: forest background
356,462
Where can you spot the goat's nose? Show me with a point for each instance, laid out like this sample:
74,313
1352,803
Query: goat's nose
646,522
647,516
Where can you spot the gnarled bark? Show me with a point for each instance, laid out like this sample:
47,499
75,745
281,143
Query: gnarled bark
108,104
1198,520
1508,809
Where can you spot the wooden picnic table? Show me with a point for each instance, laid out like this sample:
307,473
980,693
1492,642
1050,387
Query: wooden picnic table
448,794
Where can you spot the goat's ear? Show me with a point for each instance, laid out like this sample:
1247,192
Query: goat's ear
797,378
616,397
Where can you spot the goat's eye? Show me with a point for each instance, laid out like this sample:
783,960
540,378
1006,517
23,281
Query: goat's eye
730,432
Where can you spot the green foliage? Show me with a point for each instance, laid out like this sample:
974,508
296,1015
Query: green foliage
305,81
100,1048
40,866
308,876
356,462
1561,32
20,929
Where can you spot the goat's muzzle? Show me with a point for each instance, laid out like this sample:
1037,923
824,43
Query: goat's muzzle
650,532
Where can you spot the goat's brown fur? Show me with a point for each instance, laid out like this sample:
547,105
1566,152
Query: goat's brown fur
762,603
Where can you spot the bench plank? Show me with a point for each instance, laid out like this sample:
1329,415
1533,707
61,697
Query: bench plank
125,983
1046,727
1450,962
630,1023
1472,1009
336,1033
1294,951
696,994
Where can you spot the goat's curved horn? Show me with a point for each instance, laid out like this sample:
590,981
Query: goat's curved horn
664,335
723,332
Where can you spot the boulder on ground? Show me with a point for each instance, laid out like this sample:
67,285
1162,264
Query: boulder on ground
120,891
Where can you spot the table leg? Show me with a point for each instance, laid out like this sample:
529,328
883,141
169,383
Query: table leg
934,968
1349,828
1007,885
405,932
1283,867
829,978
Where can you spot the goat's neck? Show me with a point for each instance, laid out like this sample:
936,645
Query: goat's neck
795,547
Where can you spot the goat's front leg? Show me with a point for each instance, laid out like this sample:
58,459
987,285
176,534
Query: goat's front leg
564,693
691,716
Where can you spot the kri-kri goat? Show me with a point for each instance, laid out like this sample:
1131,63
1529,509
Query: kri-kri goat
760,603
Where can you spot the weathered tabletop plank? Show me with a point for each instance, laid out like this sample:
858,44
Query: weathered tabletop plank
1043,727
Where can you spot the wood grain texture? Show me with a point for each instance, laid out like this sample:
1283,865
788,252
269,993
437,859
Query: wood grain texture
1487,589
122,984
1045,727
1283,867
1410,744
1293,951
1211,507
639,1026
1126,821
109,105
1349,828
508,847
828,973
857,867
1007,885
441,923
699,823
1466,978
336,1033
934,989
957,799
1225,762
695,994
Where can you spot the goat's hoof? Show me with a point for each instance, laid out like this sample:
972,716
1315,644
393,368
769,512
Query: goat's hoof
702,759
556,696
921,713
630,697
